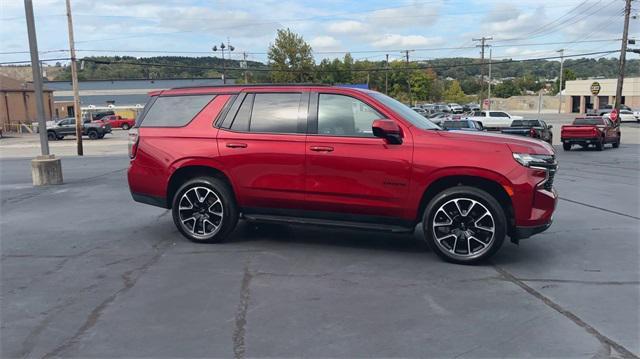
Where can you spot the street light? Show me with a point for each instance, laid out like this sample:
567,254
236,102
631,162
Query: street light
221,48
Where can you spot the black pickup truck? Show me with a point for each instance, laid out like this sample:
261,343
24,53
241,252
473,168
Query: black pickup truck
67,127
530,128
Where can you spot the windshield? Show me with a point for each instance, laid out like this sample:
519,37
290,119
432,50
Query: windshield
405,112
588,121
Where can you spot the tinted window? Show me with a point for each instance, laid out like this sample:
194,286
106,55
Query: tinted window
589,121
498,114
174,111
456,124
241,121
345,116
275,112
525,123
479,113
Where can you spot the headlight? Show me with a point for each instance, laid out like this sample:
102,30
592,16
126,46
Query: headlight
529,160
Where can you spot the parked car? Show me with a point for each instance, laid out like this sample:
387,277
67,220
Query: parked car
471,107
438,117
494,120
333,156
99,115
441,107
623,116
420,111
591,130
530,128
604,109
67,127
455,108
117,121
463,125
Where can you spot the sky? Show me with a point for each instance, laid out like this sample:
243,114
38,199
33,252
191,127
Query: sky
366,29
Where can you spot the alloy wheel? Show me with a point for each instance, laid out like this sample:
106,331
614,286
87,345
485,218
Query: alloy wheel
463,228
200,212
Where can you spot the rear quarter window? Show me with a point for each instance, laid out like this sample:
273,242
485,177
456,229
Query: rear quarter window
173,111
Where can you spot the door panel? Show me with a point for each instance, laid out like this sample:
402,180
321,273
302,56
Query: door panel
347,169
267,169
359,175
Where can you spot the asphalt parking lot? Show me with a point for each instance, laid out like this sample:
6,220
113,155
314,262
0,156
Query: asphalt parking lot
87,272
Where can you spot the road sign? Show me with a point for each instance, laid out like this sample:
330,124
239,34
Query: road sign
614,115
595,88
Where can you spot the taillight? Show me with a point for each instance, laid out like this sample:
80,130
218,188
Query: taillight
532,132
133,142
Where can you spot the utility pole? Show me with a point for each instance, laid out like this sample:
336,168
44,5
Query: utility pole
74,82
386,76
482,45
244,57
561,51
489,84
406,53
37,77
623,53
45,169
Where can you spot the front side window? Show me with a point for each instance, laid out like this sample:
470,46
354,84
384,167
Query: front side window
275,112
498,114
340,115
174,111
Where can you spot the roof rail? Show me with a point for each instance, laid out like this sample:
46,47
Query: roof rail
256,85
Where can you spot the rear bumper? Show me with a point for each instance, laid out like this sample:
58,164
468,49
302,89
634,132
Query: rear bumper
580,140
526,232
147,199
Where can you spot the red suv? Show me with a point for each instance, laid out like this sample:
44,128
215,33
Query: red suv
338,157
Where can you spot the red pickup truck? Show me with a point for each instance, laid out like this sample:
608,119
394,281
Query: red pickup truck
117,121
590,130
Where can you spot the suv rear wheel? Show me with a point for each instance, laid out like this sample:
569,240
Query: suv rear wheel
204,210
464,225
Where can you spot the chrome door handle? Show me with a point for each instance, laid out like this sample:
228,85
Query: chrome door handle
321,148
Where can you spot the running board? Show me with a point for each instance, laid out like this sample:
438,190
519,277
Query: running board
327,222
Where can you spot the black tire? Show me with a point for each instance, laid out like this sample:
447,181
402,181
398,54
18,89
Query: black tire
60,137
600,145
616,144
93,135
473,228
566,146
52,136
101,136
125,126
227,205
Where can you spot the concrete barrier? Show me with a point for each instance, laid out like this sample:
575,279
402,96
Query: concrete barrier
46,170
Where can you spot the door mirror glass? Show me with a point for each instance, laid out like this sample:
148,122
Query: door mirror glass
387,129
550,127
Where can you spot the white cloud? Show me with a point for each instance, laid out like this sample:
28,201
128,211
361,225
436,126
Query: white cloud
324,43
347,27
406,41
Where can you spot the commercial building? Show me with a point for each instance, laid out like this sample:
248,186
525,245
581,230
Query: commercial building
18,103
583,95
118,93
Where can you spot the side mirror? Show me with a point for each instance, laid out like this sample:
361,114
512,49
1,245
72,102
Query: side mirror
387,129
549,127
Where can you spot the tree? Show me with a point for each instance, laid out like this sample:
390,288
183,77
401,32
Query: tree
454,93
506,89
568,76
291,57
421,84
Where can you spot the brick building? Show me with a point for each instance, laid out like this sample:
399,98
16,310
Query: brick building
18,103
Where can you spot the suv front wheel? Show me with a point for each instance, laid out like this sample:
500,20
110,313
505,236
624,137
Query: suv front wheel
464,225
204,210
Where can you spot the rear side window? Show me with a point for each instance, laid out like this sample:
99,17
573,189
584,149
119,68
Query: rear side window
275,112
174,111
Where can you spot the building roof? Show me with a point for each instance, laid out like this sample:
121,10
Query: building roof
13,85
